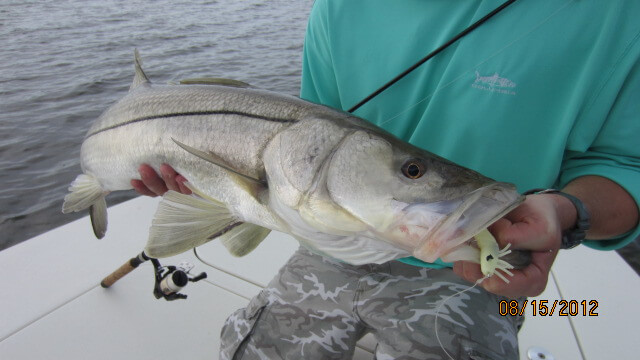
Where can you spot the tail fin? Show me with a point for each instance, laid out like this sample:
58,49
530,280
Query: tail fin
86,192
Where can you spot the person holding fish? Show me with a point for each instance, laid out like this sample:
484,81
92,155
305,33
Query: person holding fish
543,95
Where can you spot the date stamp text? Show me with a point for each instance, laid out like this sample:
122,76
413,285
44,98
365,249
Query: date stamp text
549,308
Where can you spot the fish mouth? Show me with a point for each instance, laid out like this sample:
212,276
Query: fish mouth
431,230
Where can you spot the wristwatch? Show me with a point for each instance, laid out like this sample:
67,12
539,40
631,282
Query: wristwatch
574,236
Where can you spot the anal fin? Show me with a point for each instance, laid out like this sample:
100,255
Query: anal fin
243,239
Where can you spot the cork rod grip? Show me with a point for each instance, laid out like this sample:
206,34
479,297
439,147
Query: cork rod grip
120,273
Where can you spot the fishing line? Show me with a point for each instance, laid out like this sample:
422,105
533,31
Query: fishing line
195,252
435,52
444,302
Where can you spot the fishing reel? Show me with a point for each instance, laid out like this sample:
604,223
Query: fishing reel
169,280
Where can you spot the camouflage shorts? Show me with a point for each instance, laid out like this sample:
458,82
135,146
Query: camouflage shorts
317,308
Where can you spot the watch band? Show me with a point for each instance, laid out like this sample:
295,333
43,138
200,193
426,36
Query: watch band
574,236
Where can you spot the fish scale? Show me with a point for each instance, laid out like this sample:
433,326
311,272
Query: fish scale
260,161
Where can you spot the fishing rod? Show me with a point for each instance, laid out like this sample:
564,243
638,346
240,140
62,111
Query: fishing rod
169,280
435,52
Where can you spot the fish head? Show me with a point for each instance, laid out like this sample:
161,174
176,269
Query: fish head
414,199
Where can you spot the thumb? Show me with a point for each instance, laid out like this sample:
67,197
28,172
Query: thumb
531,226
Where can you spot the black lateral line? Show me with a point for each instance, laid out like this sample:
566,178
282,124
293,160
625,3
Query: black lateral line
194,113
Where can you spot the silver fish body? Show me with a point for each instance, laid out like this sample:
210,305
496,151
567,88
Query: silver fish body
259,161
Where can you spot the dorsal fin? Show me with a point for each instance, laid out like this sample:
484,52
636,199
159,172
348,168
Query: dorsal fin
140,77
215,81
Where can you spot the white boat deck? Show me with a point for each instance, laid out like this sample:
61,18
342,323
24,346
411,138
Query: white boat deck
52,306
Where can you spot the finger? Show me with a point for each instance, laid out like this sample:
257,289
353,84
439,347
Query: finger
512,232
141,188
532,238
468,270
181,184
530,281
458,269
169,176
527,233
518,285
151,179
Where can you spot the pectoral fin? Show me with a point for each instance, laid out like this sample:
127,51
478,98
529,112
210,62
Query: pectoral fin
216,160
183,222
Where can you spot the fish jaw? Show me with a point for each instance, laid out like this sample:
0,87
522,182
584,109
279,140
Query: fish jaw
434,230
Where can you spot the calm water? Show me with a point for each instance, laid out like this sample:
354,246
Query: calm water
63,62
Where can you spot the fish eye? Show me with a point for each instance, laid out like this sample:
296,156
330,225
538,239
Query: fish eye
413,169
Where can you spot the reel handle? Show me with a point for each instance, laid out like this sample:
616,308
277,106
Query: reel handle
123,270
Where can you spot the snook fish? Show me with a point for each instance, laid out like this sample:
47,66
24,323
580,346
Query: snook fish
259,161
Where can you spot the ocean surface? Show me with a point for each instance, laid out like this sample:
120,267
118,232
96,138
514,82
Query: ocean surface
63,62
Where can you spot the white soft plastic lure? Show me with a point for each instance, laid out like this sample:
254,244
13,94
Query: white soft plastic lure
491,256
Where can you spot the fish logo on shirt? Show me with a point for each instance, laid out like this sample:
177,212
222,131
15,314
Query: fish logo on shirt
494,83
494,80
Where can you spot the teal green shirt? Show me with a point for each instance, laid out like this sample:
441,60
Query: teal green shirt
543,93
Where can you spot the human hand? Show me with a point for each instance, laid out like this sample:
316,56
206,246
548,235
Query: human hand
152,184
536,225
